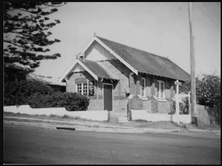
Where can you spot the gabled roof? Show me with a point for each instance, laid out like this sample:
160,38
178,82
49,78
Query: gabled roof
146,62
136,60
93,68
97,69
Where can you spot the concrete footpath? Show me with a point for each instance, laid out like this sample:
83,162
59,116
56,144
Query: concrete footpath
95,126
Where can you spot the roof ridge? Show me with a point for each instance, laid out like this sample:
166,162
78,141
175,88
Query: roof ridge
87,60
133,48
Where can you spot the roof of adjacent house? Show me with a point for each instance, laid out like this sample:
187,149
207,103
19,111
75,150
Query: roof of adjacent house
48,80
96,68
146,62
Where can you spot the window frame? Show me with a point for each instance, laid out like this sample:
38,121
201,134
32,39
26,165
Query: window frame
77,88
160,93
84,88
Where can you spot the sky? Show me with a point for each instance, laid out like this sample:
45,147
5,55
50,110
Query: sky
161,28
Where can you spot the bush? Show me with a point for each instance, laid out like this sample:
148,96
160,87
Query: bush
71,101
208,92
38,95
19,92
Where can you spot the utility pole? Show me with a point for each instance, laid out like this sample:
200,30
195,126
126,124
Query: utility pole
192,67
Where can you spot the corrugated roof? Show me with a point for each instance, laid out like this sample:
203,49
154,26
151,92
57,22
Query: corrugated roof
147,62
96,68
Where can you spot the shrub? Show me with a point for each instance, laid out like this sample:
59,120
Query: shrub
208,92
19,92
71,101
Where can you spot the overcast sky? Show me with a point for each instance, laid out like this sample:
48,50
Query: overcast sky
161,28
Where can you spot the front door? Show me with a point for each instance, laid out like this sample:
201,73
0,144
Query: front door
108,101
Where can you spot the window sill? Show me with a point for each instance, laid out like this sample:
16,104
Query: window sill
159,99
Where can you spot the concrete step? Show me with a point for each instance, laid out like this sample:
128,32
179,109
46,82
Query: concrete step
118,117
113,118
123,119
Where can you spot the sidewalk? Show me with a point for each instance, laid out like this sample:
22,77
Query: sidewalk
95,126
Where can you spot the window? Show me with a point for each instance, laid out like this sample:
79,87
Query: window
86,88
160,90
143,87
79,88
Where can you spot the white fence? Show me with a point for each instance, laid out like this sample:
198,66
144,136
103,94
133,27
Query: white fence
158,117
100,115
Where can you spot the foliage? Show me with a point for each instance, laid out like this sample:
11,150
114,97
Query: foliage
26,33
19,92
208,91
71,101
38,95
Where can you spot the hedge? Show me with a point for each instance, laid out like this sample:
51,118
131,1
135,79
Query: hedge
71,101
19,92
38,95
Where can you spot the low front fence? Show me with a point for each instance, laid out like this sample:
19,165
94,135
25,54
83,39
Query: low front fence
158,117
100,115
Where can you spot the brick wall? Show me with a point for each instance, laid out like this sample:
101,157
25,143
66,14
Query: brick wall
151,104
77,77
136,103
154,105
120,106
147,105
163,107
95,104
121,72
70,85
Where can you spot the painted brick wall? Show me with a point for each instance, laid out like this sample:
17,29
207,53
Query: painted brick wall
163,107
120,106
121,72
136,103
115,68
95,104
70,85
132,84
135,84
147,105
152,104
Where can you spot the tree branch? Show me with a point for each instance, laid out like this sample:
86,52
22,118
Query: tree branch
6,41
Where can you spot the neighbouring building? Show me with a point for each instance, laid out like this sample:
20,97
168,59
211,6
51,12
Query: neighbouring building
119,78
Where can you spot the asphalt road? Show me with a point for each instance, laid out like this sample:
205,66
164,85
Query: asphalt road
33,145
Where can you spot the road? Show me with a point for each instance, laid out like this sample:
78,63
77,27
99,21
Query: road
36,145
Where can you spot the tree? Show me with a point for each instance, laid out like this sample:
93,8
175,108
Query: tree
26,33
208,91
